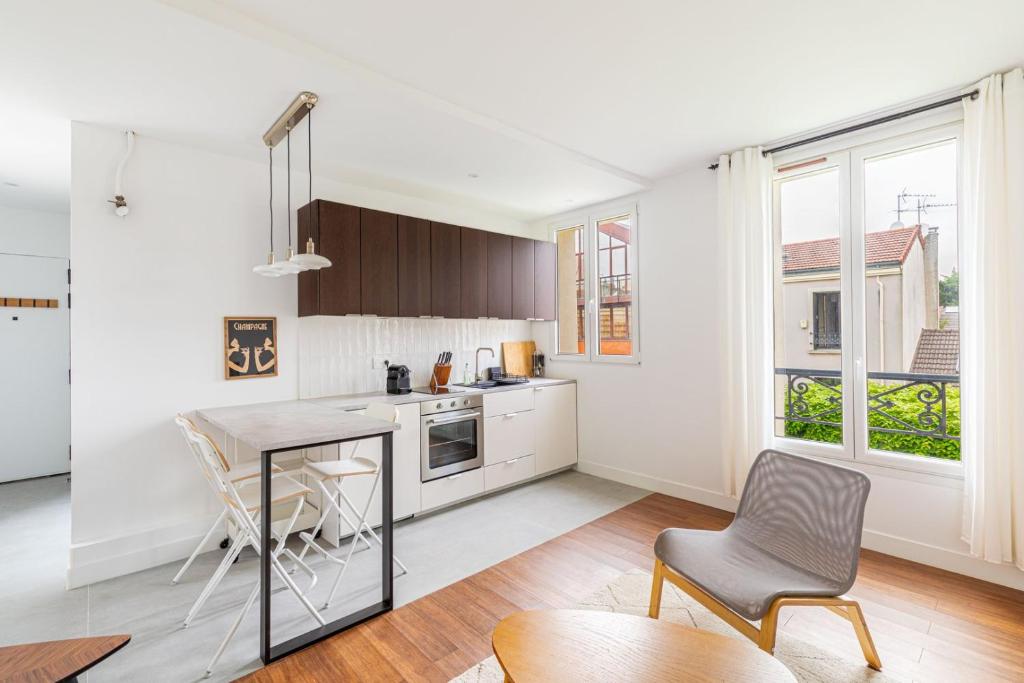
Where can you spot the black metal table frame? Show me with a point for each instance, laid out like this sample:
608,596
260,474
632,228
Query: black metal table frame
269,652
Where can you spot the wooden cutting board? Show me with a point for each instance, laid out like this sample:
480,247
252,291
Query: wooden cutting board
517,357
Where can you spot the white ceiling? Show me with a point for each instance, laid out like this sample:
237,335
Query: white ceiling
551,104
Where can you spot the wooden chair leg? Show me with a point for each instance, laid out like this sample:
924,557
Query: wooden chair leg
769,627
656,584
860,626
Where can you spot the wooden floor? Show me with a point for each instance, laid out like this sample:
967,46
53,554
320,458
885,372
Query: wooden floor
929,625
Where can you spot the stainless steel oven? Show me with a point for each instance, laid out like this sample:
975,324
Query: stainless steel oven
451,435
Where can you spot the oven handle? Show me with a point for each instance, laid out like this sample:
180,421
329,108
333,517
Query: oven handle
460,418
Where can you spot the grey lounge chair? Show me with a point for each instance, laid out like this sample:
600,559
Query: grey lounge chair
794,541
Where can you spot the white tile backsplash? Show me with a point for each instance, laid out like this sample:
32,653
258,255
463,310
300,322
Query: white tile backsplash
336,353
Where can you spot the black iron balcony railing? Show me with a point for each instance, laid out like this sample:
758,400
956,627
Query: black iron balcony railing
929,416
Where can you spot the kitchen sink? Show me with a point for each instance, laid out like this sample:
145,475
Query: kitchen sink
482,384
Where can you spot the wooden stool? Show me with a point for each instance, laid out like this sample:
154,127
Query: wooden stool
584,645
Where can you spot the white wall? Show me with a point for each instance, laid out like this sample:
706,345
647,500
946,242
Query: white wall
658,425
34,233
149,294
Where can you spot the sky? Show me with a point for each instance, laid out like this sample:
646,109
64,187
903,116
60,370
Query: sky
810,204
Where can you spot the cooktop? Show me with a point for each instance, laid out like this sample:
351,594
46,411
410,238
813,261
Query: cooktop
437,391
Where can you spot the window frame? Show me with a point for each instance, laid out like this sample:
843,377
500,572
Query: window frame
592,283
848,154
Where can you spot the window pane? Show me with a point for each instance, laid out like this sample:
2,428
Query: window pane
807,320
615,286
571,291
912,302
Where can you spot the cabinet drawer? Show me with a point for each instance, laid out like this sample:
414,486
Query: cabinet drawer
508,436
451,489
508,402
505,473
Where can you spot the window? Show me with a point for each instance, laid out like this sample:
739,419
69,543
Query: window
597,300
866,301
827,335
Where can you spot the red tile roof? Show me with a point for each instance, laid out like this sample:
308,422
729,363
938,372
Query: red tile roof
938,353
888,247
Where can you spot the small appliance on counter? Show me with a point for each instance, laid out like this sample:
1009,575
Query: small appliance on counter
399,379
538,364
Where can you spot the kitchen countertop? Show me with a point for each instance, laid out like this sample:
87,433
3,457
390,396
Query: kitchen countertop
360,401
293,424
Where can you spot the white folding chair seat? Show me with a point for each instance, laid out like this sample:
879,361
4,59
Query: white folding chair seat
334,469
282,490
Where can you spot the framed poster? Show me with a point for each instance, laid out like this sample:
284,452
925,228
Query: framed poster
250,347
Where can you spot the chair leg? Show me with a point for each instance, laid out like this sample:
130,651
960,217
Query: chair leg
769,627
867,645
657,583
195,553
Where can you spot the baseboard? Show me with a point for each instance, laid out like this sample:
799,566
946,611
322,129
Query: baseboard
112,557
675,489
905,548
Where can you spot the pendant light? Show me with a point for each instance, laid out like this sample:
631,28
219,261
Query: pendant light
268,269
289,266
309,260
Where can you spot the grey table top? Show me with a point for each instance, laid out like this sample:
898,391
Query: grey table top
292,424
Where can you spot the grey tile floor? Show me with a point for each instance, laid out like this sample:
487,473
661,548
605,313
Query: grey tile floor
438,549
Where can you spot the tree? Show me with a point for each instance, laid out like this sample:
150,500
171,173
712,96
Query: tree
949,289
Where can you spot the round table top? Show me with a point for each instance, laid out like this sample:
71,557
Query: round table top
585,645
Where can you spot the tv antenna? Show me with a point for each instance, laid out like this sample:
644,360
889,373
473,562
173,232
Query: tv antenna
921,204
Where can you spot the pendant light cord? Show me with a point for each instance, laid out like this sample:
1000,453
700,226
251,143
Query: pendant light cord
270,155
309,150
288,147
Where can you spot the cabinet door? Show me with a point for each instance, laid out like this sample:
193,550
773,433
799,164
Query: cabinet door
413,267
545,262
522,278
340,242
379,265
445,266
474,273
555,424
499,276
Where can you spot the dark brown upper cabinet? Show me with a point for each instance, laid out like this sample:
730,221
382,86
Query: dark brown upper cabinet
445,270
545,262
379,266
522,278
474,273
413,267
335,229
499,276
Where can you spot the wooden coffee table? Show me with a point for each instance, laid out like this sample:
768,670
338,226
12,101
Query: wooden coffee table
584,645
56,660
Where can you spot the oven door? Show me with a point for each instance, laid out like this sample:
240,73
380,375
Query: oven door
451,442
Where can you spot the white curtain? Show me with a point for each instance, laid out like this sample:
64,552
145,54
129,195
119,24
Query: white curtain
992,319
744,223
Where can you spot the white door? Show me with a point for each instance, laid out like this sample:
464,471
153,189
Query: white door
35,396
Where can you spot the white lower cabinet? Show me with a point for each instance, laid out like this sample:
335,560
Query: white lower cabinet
451,489
508,472
508,436
554,410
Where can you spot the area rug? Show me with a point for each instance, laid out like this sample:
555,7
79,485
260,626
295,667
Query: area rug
630,594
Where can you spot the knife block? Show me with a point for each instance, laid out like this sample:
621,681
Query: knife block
439,377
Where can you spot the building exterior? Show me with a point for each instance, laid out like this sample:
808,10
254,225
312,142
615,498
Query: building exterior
901,300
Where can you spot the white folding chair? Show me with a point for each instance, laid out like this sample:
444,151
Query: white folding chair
336,472
244,507
239,475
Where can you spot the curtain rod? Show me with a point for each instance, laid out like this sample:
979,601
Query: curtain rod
867,124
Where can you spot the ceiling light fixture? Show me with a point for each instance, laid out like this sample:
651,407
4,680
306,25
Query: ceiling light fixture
120,205
310,260
301,106
267,269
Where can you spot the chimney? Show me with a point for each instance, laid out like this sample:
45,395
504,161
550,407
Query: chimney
931,277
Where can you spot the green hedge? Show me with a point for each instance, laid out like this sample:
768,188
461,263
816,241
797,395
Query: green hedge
907,407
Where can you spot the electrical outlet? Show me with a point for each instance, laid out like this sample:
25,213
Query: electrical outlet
379,362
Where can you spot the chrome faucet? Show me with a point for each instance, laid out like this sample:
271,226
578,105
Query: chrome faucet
482,348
